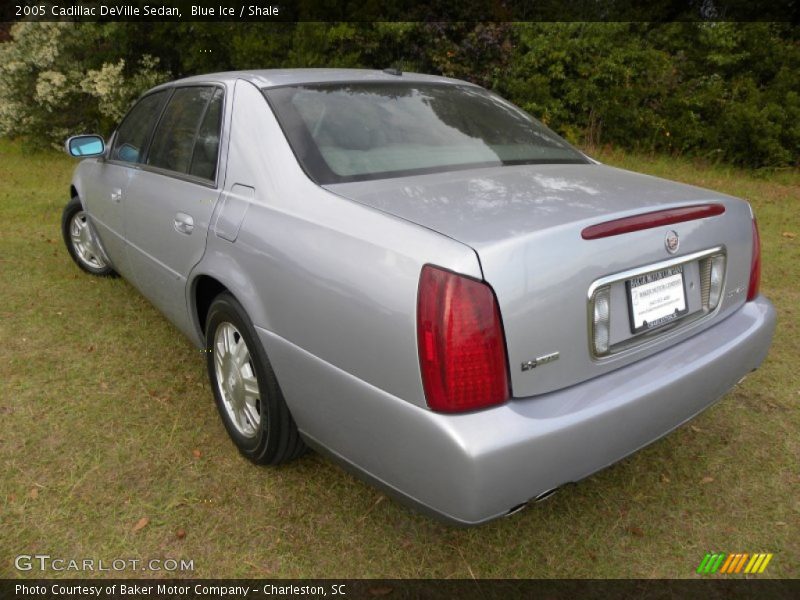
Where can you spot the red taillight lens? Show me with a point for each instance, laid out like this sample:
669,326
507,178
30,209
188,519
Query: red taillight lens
755,264
461,344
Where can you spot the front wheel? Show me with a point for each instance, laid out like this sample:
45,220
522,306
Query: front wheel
81,241
246,391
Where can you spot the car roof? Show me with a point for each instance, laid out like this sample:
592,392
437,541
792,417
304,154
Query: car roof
266,78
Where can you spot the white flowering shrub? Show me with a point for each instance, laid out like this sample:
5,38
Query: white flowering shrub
115,91
52,85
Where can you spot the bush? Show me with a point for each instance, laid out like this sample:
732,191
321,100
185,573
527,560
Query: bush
52,85
720,90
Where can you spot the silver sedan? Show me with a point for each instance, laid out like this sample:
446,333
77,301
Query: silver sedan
416,278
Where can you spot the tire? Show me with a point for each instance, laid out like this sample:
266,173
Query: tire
255,416
79,241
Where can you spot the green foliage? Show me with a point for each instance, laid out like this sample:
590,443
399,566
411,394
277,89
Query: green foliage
727,91
723,91
591,80
60,78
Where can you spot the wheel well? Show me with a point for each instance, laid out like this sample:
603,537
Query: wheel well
205,290
72,191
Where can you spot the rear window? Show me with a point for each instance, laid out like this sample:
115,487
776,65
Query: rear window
361,131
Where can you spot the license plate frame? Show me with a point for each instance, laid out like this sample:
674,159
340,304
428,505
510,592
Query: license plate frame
655,293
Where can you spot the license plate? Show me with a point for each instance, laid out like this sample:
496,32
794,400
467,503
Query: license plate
656,298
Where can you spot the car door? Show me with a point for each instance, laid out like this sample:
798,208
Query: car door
108,182
170,199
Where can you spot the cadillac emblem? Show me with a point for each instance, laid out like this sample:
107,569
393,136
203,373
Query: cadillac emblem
671,241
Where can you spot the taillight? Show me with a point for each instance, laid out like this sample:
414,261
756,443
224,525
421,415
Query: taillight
460,341
755,265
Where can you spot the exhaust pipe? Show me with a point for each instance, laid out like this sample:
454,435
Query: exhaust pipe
540,498
545,495
515,509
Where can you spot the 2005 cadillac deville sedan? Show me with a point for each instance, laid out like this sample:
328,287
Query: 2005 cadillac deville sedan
415,277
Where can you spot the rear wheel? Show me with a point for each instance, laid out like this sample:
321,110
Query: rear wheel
246,391
81,242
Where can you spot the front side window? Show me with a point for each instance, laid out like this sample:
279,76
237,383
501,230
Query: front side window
174,140
372,130
134,132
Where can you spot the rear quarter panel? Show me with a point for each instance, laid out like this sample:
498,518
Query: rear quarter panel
333,277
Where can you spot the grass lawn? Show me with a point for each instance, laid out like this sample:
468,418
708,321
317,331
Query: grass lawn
111,447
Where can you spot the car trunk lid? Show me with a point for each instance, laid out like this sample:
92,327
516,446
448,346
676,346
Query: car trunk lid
525,223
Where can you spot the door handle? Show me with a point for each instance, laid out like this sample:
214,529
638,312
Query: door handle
183,223
116,195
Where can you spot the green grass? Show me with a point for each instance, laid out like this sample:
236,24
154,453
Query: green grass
103,406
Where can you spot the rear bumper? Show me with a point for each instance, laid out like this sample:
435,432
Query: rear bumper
474,467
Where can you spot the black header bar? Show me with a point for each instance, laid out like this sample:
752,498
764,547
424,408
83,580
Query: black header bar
400,10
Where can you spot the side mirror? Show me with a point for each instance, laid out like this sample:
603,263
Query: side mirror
84,146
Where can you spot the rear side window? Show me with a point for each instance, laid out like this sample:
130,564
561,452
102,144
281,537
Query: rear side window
173,146
206,148
134,132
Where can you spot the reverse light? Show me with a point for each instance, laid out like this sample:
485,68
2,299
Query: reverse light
460,342
601,320
716,280
755,264
712,280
